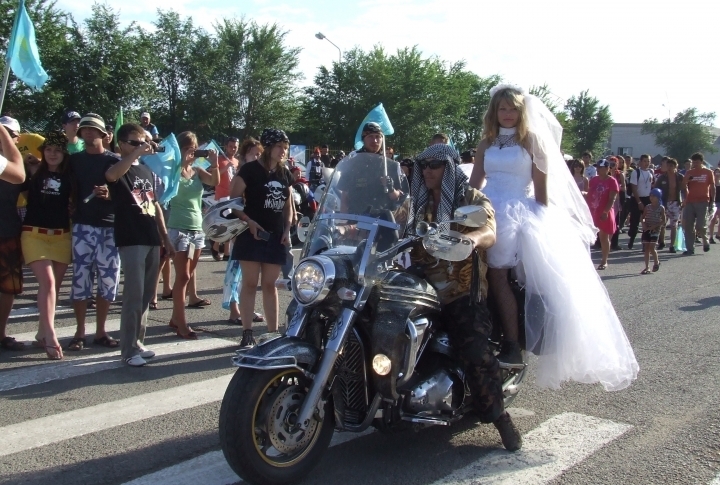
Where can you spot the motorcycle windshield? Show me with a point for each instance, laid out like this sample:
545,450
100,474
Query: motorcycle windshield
357,215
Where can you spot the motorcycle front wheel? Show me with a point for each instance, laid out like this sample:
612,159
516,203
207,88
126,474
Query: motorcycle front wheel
258,433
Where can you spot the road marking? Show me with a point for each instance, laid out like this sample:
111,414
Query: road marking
212,469
32,311
54,370
66,332
71,424
555,446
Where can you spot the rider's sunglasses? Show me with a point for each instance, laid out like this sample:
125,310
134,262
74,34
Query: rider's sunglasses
431,164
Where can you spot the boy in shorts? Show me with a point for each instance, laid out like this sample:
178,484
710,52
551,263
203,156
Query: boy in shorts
653,220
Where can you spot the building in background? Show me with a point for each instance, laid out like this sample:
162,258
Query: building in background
627,139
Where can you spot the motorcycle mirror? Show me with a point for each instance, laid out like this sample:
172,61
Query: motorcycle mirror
302,228
424,229
450,246
471,216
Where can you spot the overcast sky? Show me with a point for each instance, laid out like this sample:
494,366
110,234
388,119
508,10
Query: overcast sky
634,55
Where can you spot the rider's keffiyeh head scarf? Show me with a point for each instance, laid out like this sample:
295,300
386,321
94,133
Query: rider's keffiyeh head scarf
454,185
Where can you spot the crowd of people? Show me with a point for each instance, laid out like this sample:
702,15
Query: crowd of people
637,197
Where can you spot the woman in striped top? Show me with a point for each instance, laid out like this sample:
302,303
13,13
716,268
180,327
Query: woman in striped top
653,221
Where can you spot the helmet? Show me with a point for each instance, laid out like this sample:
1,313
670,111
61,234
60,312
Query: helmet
220,224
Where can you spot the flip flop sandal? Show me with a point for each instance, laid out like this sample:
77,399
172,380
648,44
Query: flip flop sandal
191,335
153,305
106,342
234,321
77,343
645,271
656,267
166,297
602,267
9,343
200,303
257,318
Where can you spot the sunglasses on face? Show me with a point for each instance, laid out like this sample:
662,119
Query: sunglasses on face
135,143
431,164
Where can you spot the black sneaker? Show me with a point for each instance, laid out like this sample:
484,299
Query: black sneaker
661,245
712,240
510,355
248,341
509,434
672,249
688,253
630,244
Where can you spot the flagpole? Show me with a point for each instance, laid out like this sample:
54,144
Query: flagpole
6,74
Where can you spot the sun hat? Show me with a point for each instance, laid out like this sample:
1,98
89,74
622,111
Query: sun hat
92,120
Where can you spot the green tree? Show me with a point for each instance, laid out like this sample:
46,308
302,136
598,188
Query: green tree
688,132
588,124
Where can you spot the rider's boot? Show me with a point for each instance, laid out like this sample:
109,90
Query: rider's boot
510,354
509,434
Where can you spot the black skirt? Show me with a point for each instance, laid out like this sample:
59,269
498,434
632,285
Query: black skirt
247,248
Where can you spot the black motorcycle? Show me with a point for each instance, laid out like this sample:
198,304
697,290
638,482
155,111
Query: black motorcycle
364,345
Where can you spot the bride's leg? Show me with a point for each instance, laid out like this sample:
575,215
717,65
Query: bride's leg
505,299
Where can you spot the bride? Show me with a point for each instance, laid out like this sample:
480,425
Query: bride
544,230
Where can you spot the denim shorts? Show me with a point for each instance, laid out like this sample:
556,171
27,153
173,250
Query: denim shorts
182,239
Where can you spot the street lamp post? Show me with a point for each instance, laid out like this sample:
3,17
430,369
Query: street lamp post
321,36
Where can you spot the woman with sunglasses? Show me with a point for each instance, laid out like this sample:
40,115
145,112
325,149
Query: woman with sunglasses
577,169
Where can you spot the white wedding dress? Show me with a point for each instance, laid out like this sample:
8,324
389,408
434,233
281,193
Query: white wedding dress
570,321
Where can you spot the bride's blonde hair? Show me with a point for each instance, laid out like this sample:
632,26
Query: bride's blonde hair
491,127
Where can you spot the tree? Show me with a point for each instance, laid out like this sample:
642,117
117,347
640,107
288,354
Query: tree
588,124
687,133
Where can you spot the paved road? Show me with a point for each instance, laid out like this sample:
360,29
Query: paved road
89,420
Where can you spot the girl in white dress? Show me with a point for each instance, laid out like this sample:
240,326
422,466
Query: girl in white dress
544,230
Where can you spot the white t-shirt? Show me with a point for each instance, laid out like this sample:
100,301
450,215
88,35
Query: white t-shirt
644,186
590,172
3,164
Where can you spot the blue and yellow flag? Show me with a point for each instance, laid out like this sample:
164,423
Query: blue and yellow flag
379,116
22,54
167,166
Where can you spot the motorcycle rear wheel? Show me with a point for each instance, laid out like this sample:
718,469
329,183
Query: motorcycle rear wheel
257,432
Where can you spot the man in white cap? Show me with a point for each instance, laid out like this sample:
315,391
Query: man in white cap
93,237
149,127
12,169
70,123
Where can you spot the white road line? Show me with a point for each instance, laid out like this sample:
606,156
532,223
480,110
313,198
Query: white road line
212,469
65,332
555,446
71,424
716,481
32,311
53,370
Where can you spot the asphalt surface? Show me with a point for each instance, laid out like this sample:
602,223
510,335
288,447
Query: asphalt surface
76,424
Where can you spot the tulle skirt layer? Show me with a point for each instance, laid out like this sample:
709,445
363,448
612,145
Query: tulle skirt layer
570,321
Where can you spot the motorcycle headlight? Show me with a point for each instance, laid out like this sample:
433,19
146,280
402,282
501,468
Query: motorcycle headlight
313,279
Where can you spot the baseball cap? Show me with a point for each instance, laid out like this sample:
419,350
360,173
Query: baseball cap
69,116
467,155
92,120
656,193
11,124
371,127
602,163
145,115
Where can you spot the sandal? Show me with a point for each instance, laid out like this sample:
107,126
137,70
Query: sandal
656,267
77,343
166,297
645,271
234,321
602,267
257,318
106,342
57,356
9,343
215,254
153,305
200,303
191,335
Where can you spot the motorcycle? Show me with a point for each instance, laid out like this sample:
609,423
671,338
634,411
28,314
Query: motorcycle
364,344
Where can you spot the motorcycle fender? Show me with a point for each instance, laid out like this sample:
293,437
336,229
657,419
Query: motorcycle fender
280,353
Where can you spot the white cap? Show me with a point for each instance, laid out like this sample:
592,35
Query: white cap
11,123
145,115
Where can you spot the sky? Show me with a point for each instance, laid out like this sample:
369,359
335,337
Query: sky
644,59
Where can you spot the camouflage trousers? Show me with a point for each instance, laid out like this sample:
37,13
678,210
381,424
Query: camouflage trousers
469,326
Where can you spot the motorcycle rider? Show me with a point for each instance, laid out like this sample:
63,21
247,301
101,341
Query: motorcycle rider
308,205
439,188
357,176
314,169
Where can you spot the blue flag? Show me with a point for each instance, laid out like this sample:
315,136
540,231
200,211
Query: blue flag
203,162
22,54
379,116
167,166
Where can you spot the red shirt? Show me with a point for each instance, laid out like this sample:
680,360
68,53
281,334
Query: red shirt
699,181
227,172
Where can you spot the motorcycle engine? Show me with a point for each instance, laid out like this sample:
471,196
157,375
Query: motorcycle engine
442,391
